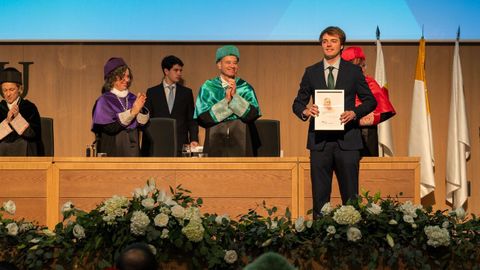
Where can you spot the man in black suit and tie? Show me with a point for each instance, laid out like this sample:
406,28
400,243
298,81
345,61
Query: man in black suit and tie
331,151
172,100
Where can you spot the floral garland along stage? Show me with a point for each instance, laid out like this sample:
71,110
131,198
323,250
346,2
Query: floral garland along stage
369,232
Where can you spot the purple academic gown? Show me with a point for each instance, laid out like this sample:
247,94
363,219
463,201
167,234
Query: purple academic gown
114,138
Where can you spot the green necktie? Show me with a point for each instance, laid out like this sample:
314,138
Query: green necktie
330,79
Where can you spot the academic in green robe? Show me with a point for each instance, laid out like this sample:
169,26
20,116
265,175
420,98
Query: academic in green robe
230,125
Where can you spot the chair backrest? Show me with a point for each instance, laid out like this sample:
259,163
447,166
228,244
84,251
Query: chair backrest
47,136
269,135
161,136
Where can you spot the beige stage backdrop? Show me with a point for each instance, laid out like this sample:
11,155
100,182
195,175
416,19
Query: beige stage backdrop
66,78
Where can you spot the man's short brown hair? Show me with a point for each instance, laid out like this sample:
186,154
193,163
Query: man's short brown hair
334,30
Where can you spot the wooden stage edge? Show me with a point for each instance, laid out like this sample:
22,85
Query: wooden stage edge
41,185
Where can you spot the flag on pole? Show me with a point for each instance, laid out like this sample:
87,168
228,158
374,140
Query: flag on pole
385,138
458,144
420,140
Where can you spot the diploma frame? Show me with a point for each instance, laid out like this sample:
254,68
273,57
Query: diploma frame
330,106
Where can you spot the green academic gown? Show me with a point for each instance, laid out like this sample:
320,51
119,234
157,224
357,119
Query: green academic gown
230,126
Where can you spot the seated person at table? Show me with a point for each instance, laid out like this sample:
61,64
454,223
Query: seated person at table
227,107
20,131
118,114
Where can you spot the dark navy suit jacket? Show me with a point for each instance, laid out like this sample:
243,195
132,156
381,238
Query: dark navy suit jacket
351,79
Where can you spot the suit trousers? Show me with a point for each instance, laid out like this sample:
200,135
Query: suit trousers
345,164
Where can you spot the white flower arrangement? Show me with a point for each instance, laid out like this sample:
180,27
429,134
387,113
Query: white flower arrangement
178,211
408,208
114,207
139,223
78,231
230,256
331,230
10,207
374,209
347,215
326,209
12,229
148,203
194,231
354,234
67,206
437,236
161,220
300,224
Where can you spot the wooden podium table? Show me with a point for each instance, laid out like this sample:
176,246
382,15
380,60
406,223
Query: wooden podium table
40,186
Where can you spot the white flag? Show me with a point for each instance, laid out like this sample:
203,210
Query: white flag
420,139
385,138
458,144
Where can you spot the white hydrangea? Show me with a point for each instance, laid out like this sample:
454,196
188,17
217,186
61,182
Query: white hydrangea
230,256
437,236
326,209
12,229
408,208
374,209
219,219
139,223
347,214
67,206
194,231
354,234
193,213
408,219
331,230
148,203
300,224
78,231
164,233
10,207
178,211
114,207
161,220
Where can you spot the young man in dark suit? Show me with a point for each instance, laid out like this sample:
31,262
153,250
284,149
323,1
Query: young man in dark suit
172,100
331,151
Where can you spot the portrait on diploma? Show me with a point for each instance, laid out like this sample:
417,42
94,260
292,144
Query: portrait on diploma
330,106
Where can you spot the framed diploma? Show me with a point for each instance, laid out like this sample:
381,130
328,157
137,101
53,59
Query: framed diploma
330,106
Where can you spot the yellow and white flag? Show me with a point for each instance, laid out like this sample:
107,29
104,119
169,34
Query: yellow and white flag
385,138
420,140
458,144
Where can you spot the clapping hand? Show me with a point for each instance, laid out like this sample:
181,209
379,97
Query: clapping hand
12,113
139,103
231,90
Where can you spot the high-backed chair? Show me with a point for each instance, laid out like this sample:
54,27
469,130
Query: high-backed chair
160,138
47,136
269,134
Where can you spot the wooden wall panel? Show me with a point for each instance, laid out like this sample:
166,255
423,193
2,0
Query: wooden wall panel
66,78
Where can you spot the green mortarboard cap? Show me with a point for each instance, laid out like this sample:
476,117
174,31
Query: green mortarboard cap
225,51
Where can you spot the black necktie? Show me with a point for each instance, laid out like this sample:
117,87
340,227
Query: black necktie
330,79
